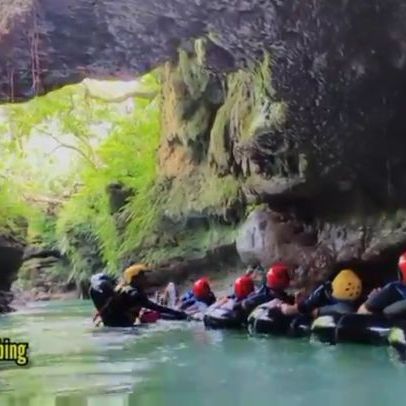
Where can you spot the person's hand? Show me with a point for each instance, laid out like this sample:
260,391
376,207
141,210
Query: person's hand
363,310
299,296
288,310
274,303
374,292
220,302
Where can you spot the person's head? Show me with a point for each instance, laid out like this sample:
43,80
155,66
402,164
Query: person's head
278,277
201,289
402,267
243,286
346,285
135,275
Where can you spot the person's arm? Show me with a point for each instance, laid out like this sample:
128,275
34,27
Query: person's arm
212,299
378,300
289,299
223,300
252,301
137,298
148,304
186,303
316,299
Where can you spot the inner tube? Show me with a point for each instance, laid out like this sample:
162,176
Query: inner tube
265,320
221,318
397,340
352,328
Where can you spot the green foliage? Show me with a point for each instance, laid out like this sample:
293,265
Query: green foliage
107,143
128,157
42,229
12,208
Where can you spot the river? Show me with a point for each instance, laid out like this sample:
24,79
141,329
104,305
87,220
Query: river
72,363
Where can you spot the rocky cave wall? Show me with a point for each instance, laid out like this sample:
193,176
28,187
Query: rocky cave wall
222,129
288,110
11,258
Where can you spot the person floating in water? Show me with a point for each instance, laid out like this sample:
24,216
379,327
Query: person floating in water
194,302
391,299
199,298
121,305
276,282
243,287
337,297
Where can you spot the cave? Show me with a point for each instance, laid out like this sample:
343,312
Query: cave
329,149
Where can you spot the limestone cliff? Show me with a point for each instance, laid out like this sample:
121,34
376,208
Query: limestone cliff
297,105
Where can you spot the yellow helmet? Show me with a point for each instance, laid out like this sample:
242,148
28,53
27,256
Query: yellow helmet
133,271
347,285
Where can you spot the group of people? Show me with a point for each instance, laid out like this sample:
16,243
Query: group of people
126,303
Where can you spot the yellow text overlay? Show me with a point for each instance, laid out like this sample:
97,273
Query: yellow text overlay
17,352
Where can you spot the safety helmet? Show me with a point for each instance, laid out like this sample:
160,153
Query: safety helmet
243,286
133,271
347,285
201,288
402,266
278,276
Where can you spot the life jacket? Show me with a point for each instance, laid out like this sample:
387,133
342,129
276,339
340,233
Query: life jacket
101,289
104,292
189,300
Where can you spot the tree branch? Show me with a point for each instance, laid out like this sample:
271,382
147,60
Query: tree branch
43,199
68,146
92,92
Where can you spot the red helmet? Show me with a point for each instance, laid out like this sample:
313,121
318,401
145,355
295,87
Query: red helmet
201,288
243,286
402,265
278,276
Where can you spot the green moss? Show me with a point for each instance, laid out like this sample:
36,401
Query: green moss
185,114
194,74
202,193
219,192
249,109
191,243
200,51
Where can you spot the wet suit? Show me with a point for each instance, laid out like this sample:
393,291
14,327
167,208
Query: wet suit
189,299
390,300
261,296
120,307
321,298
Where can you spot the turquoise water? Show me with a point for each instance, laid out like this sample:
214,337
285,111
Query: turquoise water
73,363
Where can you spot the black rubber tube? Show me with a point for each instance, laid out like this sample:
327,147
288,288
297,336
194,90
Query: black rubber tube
397,339
219,318
352,328
272,322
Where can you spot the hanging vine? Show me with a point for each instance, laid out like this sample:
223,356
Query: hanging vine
35,59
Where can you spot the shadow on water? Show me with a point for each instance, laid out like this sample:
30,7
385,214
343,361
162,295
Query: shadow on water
177,363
